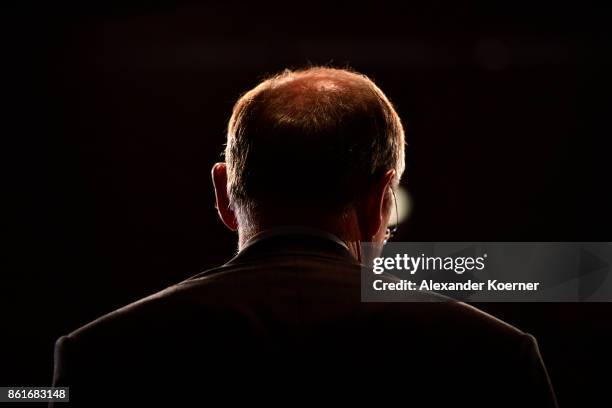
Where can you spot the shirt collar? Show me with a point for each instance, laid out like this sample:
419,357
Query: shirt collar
293,230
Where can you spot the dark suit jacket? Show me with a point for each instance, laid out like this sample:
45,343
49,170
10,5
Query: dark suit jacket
282,324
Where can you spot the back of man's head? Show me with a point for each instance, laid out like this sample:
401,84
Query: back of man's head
311,140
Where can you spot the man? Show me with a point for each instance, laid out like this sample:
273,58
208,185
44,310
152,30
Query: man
312,159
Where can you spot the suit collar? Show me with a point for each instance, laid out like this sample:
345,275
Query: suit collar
294,240
292,231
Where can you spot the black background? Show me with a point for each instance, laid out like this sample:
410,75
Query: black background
115,113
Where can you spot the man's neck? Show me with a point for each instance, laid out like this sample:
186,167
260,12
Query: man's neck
345,230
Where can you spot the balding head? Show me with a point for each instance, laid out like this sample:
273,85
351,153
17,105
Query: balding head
310,140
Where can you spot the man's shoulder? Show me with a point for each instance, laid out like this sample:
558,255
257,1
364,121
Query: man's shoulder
153,309
431,315
201,294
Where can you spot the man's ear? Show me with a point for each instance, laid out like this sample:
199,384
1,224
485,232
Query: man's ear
374,216
219,179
